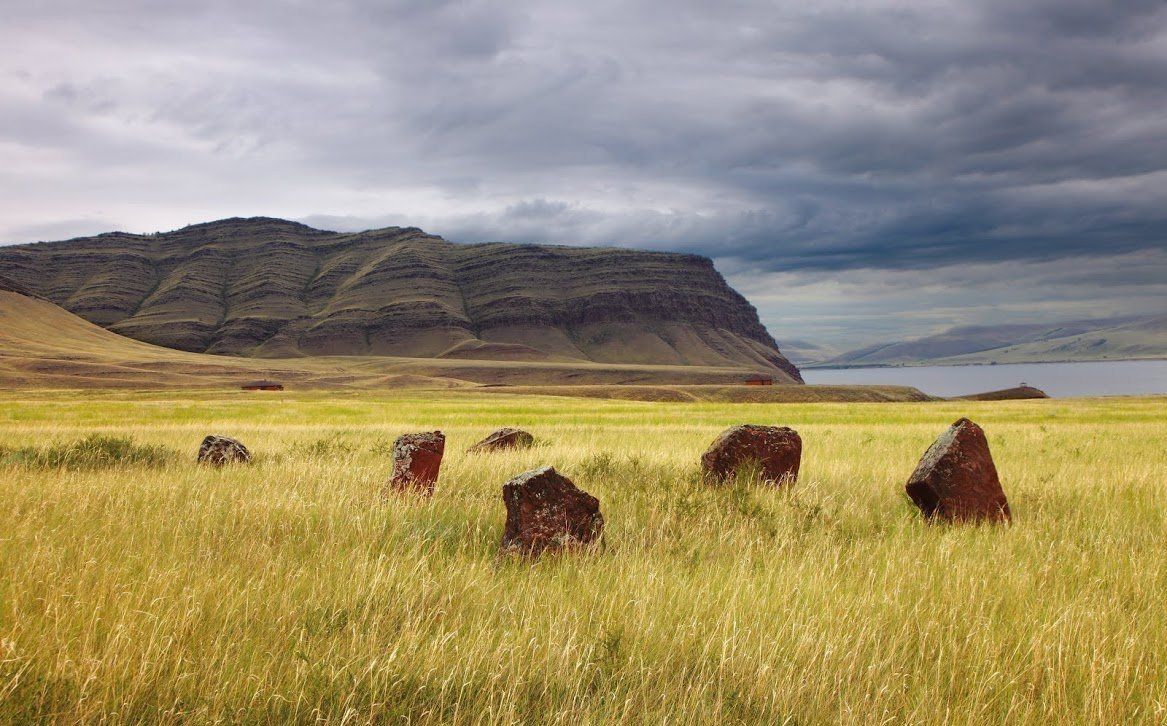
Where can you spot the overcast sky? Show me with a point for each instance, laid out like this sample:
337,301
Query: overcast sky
860,170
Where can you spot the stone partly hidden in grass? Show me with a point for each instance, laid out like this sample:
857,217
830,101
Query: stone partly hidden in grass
773,452
416,461
221,450
506,438
546,511
956,481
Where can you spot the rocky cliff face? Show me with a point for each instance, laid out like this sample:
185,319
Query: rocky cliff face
268,287
9,285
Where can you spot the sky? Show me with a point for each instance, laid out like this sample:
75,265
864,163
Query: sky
861,171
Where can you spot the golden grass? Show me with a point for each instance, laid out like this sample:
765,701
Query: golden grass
291,591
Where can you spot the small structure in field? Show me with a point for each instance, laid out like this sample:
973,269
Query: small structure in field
760,381
263,386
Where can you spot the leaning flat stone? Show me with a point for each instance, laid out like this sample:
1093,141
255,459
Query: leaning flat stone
546,511
775,451
416,461
507,438
221,450
956,481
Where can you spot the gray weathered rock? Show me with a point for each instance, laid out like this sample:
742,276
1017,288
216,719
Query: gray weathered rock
220,450
505,438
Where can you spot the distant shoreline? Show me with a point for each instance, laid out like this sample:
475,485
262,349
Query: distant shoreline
933,364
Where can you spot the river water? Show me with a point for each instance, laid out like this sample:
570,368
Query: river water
1103,378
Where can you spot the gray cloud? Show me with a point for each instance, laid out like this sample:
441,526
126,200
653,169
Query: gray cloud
784,139
843,307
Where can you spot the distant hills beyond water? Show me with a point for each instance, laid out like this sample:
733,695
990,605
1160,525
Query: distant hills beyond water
271,288
1081,340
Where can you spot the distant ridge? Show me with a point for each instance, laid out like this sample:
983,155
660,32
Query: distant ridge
273,288
1123,338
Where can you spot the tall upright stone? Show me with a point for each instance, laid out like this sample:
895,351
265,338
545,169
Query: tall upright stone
957,481
416,461
775,451
546,511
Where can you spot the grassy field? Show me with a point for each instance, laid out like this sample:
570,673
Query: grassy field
159,591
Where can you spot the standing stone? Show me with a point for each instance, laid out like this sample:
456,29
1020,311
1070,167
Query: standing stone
956,481
416,460
546,511
507,438
221,450
776,451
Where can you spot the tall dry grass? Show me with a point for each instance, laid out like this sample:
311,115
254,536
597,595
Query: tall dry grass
290,590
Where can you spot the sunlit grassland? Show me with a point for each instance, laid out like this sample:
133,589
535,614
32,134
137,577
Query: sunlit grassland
162,591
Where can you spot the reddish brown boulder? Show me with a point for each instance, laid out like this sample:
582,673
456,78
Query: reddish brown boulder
221,450
507,438
416,460
546,511
776,452
956,481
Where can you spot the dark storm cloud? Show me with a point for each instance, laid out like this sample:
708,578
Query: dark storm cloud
828,137
904,135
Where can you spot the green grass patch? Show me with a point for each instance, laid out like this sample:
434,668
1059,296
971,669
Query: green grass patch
95,451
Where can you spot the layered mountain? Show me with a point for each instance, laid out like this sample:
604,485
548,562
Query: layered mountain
272,288
1077,340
